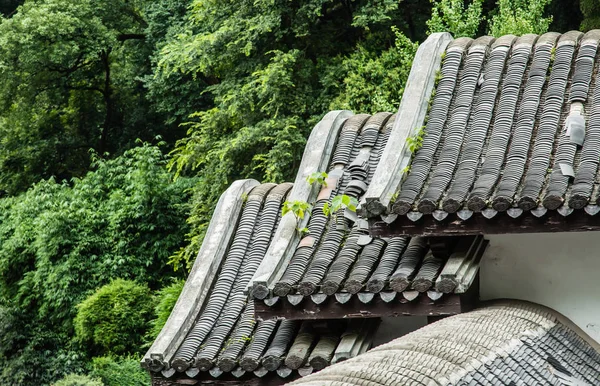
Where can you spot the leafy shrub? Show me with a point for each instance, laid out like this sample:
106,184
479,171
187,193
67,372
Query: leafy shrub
78,380
373,81
454,17
32,354
120,371
115,318
520,17
166,299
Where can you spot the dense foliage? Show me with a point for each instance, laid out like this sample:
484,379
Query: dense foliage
591,14
232,87
60,242
114,318
120,371
166,299
78,380
69,82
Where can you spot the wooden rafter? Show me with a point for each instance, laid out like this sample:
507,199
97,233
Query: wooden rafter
449,304
502,223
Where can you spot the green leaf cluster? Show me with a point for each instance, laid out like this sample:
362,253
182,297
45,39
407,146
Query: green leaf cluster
318,178
165,302
340,202
120,371
298,208
415,142
454,17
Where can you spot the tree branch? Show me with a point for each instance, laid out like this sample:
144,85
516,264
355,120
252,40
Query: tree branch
86,88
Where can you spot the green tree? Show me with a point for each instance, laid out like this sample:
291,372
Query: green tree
61,242
270,70
70,81
373,81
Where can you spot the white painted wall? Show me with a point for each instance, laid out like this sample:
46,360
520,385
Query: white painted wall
558,270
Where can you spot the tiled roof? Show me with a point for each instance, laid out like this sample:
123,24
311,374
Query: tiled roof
339,258
513,125
395,269
213,329
507,343
225,336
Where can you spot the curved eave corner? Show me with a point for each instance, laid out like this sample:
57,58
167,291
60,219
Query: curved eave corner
200,280
410,118
316,157
503,343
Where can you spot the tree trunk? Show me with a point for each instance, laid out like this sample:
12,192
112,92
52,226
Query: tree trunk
108,102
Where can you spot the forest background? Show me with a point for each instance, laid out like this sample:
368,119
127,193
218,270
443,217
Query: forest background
122,121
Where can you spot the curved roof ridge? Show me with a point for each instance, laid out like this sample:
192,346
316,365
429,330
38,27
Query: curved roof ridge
537,345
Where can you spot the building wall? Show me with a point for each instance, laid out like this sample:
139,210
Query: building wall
560,271
392,328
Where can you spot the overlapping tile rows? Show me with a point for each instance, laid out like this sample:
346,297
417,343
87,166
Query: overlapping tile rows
339,258
514,125
395,269
507,343
225,337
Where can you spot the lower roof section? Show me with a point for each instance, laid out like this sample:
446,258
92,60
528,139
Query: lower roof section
212,333
387,277
503,343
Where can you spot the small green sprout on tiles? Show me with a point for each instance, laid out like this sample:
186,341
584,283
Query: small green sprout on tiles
317,177
340,201
416,141
299,209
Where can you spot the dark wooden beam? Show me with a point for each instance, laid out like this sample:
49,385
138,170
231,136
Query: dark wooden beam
502,223
433,319
450,304
248,379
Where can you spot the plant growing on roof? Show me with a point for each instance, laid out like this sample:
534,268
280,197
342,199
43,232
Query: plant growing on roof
299,209
341,201
416,141
317,177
